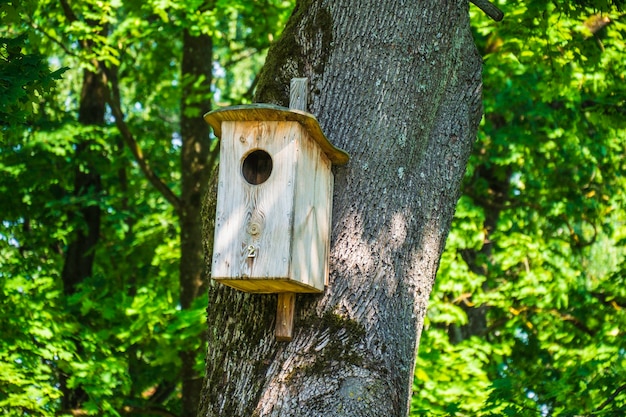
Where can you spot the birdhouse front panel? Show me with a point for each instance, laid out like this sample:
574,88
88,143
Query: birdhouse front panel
261,224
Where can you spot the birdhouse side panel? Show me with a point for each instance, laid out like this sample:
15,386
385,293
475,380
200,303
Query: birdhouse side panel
312,218
254,220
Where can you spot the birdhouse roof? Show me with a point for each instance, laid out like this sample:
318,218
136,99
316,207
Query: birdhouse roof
268,112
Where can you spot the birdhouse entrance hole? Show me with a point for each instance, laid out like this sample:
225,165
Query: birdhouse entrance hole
257,167
274,238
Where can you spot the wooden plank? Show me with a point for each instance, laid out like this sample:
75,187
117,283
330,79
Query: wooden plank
329,213
311,220
287,301
311,224
284,316
268,285
299,94
271,113
255,216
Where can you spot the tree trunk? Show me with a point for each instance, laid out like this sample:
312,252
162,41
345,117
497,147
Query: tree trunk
79,257
80,253
398,86
196,65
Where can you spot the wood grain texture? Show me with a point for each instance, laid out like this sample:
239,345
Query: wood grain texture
298,94
272,237
257,216
272,113
312,215
284,316
287,301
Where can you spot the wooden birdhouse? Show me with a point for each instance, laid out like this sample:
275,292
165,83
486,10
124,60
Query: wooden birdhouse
275,186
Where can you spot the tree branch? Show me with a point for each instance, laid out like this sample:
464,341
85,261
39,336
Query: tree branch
134,147
67,10
112,99
489,9
73,17
244,53
38,28
604,299
611,397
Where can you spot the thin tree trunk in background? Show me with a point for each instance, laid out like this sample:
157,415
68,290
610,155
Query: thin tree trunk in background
79,257
196,65
398,86
480,261
80,253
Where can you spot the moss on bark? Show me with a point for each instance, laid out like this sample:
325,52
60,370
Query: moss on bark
290,57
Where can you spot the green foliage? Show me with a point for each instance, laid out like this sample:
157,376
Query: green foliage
93,338
112,345
527,317
243,30
528,314
24,80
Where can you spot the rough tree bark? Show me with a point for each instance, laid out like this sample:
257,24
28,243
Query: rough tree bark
397,84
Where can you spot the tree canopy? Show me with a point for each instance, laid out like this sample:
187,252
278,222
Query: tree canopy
527,315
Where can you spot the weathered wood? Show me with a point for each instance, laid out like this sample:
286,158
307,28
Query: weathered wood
274,201
284,316
287,301
272,237
271,113
298,94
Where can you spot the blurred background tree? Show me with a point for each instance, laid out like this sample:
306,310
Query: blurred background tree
103,160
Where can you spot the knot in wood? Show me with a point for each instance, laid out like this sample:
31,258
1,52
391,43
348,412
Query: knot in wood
254,229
